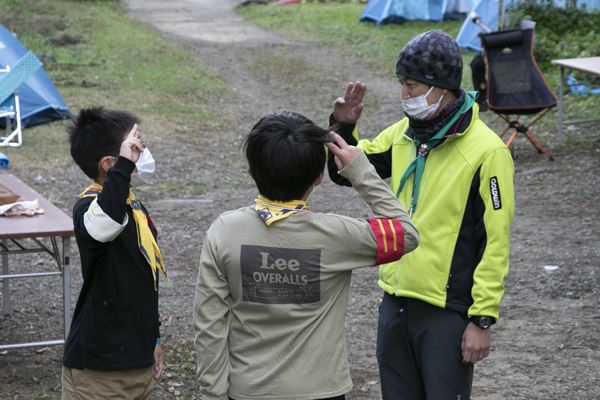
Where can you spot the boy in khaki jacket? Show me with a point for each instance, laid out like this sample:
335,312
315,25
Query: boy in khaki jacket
274,278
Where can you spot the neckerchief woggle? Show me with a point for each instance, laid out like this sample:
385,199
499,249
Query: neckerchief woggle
146,241
271,211
417,166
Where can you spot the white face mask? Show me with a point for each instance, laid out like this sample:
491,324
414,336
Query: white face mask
145,167
418,108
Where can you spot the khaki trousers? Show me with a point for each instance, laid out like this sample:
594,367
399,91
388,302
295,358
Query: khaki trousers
88,384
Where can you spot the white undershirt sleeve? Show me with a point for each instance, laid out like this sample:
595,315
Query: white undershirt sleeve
100,226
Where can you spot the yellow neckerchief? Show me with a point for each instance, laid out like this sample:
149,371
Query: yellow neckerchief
271,211
146,241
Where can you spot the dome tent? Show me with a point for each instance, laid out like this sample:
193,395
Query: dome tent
386,11
39,100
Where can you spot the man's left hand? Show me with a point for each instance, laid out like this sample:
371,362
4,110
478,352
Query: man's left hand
475,343
159,361
347,109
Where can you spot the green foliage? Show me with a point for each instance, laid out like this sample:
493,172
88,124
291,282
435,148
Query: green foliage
560,32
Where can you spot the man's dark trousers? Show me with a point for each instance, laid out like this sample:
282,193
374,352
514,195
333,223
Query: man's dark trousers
419,351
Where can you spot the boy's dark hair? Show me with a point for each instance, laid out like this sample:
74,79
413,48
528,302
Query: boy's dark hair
97,132
286,154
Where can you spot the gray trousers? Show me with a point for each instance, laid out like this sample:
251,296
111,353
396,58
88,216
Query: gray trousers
419,351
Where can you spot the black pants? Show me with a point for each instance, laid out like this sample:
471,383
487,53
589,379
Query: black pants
419,351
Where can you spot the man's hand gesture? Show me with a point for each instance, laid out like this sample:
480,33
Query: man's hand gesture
347,109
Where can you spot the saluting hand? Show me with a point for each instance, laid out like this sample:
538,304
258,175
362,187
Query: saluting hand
347,109
343,152
132,146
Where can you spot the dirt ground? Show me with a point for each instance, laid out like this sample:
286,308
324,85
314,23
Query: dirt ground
546,345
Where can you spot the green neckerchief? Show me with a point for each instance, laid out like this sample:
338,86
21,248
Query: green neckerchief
417,166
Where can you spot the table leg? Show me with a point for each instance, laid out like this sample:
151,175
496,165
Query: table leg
66,251
5,287
560,104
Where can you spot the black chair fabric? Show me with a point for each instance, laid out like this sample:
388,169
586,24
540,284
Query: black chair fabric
515,83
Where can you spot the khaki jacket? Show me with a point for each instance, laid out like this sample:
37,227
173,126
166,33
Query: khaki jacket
270,303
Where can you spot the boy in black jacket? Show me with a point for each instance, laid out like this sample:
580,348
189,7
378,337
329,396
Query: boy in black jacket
113,349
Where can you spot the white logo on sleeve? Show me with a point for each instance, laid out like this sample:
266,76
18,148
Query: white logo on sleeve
495,193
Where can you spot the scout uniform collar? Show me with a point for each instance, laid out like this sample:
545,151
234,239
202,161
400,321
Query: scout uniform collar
271,211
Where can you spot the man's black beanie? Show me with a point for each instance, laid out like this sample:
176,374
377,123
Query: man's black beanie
432,58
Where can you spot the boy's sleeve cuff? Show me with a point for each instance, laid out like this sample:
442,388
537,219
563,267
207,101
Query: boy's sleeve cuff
124,165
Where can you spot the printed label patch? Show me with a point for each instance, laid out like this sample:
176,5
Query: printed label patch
274,275
495,193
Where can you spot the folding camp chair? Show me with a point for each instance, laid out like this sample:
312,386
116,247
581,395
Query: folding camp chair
10,80
515,84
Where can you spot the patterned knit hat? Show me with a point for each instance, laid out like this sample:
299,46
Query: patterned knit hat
432,58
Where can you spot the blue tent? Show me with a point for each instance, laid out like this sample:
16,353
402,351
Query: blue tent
488,11
40,101
386,11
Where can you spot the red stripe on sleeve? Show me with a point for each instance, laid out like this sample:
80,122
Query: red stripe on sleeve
388,249
399,235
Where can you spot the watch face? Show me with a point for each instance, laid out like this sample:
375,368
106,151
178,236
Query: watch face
484,322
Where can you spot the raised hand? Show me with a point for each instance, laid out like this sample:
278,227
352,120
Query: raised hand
347,109
132,146
343,152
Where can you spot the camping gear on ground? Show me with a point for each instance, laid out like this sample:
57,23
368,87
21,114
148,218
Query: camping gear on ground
3,161
579,87
39,100
10,80
515,84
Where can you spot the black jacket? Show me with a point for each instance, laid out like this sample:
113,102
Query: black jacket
116,323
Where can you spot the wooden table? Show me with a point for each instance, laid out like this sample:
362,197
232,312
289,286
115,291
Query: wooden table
21,235
589,65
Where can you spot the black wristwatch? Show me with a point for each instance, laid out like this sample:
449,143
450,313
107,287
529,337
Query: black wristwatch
483,322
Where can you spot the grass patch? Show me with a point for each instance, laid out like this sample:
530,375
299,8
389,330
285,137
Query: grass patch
96,52
96,55
337,25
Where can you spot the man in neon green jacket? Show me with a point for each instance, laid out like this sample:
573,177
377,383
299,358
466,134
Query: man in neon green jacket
456,177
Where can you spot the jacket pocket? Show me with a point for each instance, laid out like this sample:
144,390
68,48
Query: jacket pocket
109,326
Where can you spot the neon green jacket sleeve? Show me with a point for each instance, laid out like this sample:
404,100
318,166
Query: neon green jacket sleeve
497,191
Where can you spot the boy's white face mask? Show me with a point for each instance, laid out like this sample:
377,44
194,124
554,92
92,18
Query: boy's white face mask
145,167
418,108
